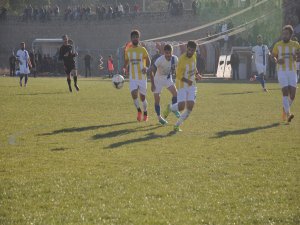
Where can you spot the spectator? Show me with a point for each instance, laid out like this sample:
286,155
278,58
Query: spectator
110,66
235,64
12,65
87,63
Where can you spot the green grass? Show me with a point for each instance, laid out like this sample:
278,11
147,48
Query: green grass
81,158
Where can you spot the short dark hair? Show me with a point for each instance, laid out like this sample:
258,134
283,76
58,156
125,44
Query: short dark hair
64,36
135,32
168,47
289,28
192,44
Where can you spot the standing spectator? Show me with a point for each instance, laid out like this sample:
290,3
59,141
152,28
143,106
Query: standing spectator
195,7
24,62
33,62
56,10
235,65
110,66
272,67
87,63
12,64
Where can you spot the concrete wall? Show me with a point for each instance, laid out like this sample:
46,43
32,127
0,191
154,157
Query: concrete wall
103,36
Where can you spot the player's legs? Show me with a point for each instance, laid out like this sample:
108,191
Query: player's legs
292,88
134,94
261,79
68,74
142,87
173,91
26,79
74,73
190,101
21,78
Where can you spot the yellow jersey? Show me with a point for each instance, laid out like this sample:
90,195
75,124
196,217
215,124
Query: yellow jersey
136,56
286,51
186,68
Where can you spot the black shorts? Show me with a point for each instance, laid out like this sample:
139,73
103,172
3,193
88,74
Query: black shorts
68,69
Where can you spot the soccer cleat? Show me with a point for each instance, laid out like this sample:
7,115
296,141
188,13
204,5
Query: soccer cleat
177,129
177,114
145,118
283,115
76,87
265,90
291,116
167,111
162,121
139,116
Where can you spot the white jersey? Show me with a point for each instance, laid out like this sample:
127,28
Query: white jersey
165,67
23,57
260,54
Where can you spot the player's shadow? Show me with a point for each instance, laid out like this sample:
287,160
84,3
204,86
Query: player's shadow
81,129
238,93
225,133
44,93
147,137
118,133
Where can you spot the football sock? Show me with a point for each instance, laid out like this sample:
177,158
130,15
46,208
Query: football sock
174,107
69,81
183,117
174,100
145,105
137,104
157,109
26,79
75,80
290,102
286,104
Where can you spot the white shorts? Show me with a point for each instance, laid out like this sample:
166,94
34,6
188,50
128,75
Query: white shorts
287,78
24,69
261,68
141,85
161,82
187,94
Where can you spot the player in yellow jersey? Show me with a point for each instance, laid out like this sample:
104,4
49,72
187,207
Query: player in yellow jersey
186,76
137,58
285,52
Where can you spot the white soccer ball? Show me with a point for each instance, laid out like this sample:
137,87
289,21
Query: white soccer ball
118,81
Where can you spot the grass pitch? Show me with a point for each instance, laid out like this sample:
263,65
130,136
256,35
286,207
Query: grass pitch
82,158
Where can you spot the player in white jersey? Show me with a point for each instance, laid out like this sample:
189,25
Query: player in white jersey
285,53
260,54
137,58
161,76
24,63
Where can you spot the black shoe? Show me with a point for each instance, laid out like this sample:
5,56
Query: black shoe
77,88
291,117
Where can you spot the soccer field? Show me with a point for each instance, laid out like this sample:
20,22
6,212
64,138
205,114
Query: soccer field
82,158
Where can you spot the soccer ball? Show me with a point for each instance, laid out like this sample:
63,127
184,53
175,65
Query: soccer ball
118,81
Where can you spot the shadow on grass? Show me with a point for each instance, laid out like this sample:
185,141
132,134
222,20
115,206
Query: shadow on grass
147,137
225,133
118,133
81,129
238,93
46,93
58,149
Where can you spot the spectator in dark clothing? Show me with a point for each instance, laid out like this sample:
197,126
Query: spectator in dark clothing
235,64
272,67
12,65
87,62
33,62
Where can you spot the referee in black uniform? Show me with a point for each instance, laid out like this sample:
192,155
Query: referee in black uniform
67,54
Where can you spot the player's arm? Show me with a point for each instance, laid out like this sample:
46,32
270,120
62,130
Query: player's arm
198,75
180,74
147,60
